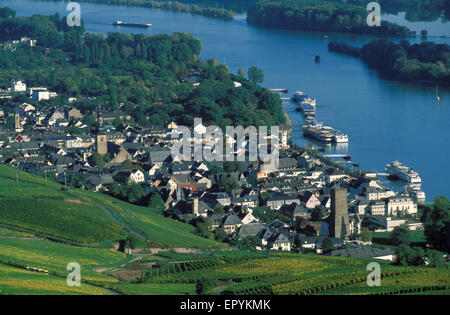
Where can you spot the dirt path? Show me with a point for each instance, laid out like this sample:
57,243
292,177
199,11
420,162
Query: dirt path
112,218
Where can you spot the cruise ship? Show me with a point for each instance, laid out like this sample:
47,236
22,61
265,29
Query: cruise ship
302,98
121,23
316,131
397,169
338,136
415,193
307,109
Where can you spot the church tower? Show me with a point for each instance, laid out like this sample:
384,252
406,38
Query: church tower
17,120
101,142
339,223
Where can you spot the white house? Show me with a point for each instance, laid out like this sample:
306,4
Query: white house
403,204
136,176
18,86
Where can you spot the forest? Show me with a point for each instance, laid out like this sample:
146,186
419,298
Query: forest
208,11
426,61
416,10
150,77
319,15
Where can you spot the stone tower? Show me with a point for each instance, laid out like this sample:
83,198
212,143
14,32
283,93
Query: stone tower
284,138
101,141
339,223
17,122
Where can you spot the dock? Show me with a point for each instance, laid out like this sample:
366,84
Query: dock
279,90
344,156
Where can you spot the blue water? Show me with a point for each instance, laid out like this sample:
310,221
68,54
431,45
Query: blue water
385,120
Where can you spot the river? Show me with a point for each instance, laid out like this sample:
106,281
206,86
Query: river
385,120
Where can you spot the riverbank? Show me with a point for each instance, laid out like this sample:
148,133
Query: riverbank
288,123
222,14
424,62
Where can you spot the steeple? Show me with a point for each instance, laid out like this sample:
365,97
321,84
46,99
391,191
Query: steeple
100,139
100,120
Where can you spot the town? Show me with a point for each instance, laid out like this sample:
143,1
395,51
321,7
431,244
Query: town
309,203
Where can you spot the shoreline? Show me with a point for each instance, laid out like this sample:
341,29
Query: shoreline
288,123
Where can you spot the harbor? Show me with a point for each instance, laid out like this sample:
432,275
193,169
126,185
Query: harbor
313,128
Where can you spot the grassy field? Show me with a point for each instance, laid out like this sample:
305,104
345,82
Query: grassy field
14,233
35,205
41,206
16,281
55,257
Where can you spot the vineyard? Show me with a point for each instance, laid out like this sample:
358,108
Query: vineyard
55,257
20,281
179,264
292,274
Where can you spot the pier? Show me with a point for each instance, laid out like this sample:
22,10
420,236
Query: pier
279,90
344,156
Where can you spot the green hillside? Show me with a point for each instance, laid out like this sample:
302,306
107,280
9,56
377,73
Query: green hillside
35,205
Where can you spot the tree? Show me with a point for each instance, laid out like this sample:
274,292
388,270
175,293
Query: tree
249,243
365,235
424,33
409,256
317,214
156,203
255,75
400,235
131,241
134,192
216,169
204,286
227,184
98,160
327,245
241,72
435,259
435,219
220,234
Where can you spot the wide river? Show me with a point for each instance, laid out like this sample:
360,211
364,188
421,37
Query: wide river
385,120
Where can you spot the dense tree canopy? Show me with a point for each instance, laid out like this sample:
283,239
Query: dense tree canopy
436,220
156,79
419,62
319,15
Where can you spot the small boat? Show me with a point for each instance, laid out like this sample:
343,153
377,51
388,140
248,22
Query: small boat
121,23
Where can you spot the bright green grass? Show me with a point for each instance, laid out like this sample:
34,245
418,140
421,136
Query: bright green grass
155,289
43,207
81,223
16,281
13,233
55,257
160,231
